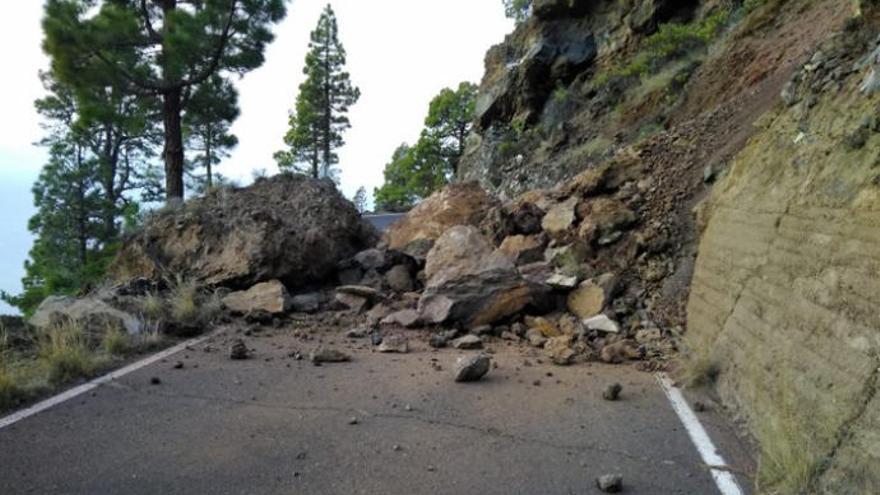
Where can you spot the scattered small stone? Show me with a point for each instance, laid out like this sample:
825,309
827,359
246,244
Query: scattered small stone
700,406
610,483
356,333
612,392
352,420
238,350
155,380
472,368
407,407
375,339
536,383
468,342
328,355
437,341
394,343
178,365
602,323
396,448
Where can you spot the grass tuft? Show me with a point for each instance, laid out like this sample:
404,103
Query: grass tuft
116,342
65,353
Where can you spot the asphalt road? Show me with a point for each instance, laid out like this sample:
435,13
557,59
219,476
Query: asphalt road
382,222
275,425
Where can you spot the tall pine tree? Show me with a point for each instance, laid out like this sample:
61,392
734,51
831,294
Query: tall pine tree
320,116
212,109
159,48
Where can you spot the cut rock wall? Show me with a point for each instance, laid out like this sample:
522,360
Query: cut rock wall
786,288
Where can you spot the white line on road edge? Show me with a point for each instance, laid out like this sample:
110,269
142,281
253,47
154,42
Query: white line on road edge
86,387
725,481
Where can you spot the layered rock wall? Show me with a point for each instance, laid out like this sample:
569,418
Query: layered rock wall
786,288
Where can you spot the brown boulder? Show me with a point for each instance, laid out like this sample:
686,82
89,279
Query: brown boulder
603,217
288,227
270,297
457,204
522,249
560,217
470,283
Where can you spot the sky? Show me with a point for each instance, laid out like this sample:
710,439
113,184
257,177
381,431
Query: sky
400,54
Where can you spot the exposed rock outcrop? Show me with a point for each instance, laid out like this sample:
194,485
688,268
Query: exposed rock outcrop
469,282
287,227
456,204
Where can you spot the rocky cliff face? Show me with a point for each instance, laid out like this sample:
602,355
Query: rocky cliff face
756,105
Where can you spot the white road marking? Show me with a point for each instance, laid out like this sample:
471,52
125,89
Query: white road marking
724,480
86,387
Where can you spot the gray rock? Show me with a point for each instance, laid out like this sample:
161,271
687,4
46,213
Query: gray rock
353,302
358,290
306,303
437,341
472,368
90,311
612,392
394,344
238,350
561,281
370,259
399,279
602,323
406,318
468,342
356,333
328,355
610,483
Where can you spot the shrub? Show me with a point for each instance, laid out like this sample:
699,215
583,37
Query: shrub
116,342
153,307
65,353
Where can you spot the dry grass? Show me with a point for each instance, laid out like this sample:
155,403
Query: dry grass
791,440
116,342
699,367
153,307
66,354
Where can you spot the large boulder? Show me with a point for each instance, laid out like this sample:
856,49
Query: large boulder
91,312
456,204
270,297
469,283
288,227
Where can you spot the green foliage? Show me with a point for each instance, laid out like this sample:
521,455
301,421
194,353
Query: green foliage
319,118
211,110
518,10
416,171
669,42
360,200
157,51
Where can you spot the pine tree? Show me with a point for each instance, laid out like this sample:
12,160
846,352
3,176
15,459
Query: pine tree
212,109
517,10
416,171
450,120
320,116
360,200
160,48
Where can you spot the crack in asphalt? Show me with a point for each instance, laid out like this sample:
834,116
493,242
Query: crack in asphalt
487,431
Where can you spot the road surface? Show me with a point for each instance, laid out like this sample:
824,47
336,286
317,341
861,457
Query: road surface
276,425
381,222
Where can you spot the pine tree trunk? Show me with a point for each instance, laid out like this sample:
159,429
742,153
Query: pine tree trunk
173,153
209,178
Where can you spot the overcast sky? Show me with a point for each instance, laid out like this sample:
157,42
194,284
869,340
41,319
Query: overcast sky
400,54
